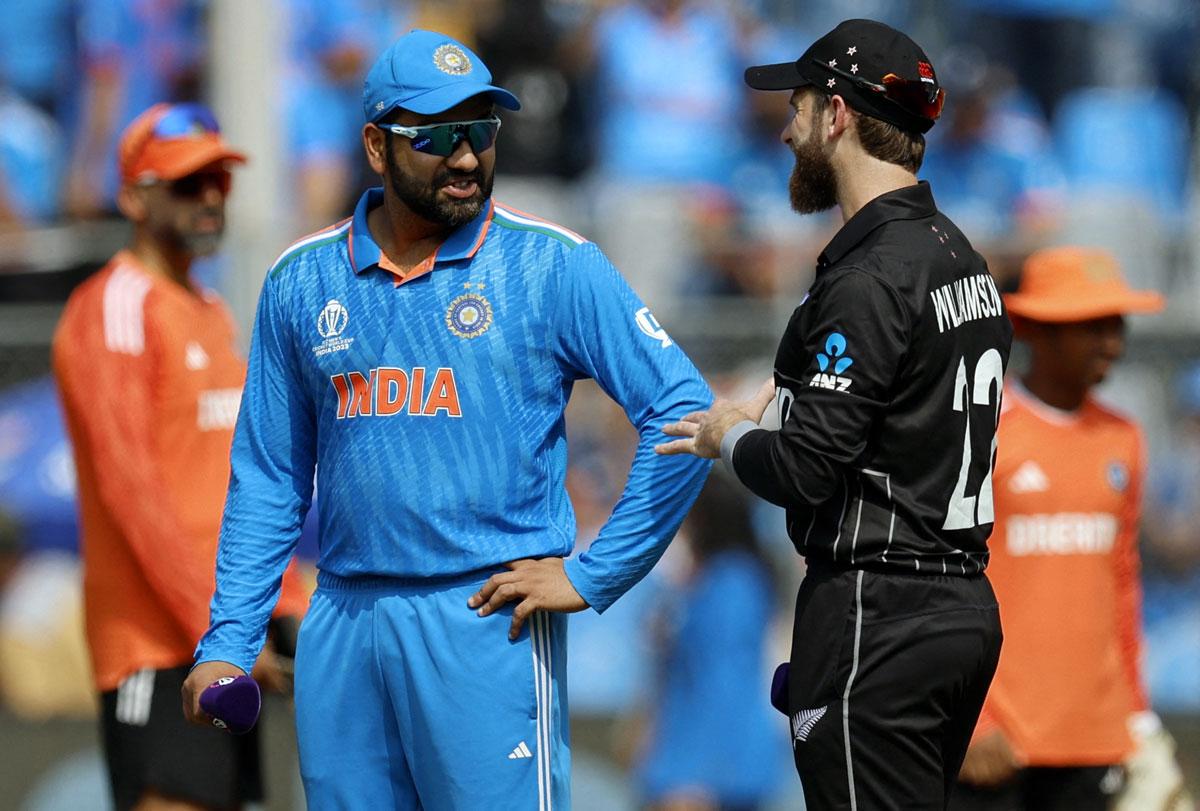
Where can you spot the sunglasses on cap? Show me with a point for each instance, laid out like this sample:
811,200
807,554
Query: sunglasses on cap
186,120
443,139
913,95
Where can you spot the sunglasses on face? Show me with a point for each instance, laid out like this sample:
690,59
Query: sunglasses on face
192,186
186,120
443,139
914,96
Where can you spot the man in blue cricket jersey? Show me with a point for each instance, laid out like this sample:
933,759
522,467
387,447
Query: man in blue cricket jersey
418,357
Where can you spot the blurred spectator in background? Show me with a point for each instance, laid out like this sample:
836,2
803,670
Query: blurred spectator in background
133,54
751,242
668,114
668,92
529,51
150,382
1165,32
732,258
1172,526
44,669
822,15
1124,150
993,164
607,657
1049,44
331,43
38,54
713,742
31,163
1171,552
44,665
456,18
1068,704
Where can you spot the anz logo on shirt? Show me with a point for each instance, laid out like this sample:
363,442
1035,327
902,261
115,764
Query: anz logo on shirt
831,363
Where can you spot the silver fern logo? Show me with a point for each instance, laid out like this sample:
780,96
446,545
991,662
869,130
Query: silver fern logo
804,721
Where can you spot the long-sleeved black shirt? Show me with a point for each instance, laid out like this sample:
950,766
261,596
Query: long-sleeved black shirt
889,381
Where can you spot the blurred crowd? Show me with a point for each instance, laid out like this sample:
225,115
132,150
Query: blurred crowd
1061,113
1066,120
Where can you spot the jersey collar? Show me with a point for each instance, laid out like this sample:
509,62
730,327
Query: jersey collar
907,203
1044,410
463,243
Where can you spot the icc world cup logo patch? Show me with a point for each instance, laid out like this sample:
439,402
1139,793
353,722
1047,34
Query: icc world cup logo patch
452,59
469,315
332,320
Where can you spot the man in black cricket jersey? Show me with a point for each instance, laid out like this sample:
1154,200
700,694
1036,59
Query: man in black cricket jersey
887,387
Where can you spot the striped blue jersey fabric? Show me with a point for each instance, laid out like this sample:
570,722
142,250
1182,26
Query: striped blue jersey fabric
431,414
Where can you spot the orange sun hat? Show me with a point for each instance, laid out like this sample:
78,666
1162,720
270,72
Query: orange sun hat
170,141
1070,284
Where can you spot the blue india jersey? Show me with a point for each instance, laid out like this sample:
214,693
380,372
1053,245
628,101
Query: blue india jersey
429,407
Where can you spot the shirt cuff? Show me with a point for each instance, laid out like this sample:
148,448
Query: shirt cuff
730,441
585,585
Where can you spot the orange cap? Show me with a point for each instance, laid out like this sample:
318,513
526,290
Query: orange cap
170,141
1064,285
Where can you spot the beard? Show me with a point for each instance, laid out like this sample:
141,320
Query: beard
422,198
812,186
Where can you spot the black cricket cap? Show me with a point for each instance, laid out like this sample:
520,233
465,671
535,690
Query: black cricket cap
878,70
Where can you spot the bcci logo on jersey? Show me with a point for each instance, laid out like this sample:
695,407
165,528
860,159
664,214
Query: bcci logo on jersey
469,315
331,323
831,363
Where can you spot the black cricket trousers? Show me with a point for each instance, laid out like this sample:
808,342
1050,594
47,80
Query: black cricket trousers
888,674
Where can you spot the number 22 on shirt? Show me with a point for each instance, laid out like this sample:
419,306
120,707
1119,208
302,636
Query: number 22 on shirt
987,381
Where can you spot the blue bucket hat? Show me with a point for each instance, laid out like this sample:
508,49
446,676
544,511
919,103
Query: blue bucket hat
427,73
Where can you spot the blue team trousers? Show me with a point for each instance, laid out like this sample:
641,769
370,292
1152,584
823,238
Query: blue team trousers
407,699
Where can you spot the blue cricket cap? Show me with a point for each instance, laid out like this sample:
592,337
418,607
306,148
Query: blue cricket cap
427,73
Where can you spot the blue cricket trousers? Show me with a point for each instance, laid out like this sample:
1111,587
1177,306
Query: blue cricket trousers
407,699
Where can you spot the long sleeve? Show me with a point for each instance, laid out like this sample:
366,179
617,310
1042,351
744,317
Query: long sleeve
270,489
107,373
856,330
606,333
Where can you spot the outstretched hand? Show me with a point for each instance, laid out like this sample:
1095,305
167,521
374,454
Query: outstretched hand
536,583
702,431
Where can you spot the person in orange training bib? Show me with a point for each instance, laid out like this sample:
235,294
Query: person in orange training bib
1068,705
150,379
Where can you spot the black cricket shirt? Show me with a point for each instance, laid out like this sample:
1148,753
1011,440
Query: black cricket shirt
889,378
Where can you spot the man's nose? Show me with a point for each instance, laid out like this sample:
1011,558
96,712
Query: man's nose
463,158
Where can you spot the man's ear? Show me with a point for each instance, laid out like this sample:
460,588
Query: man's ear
131,201
839,120
375,145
